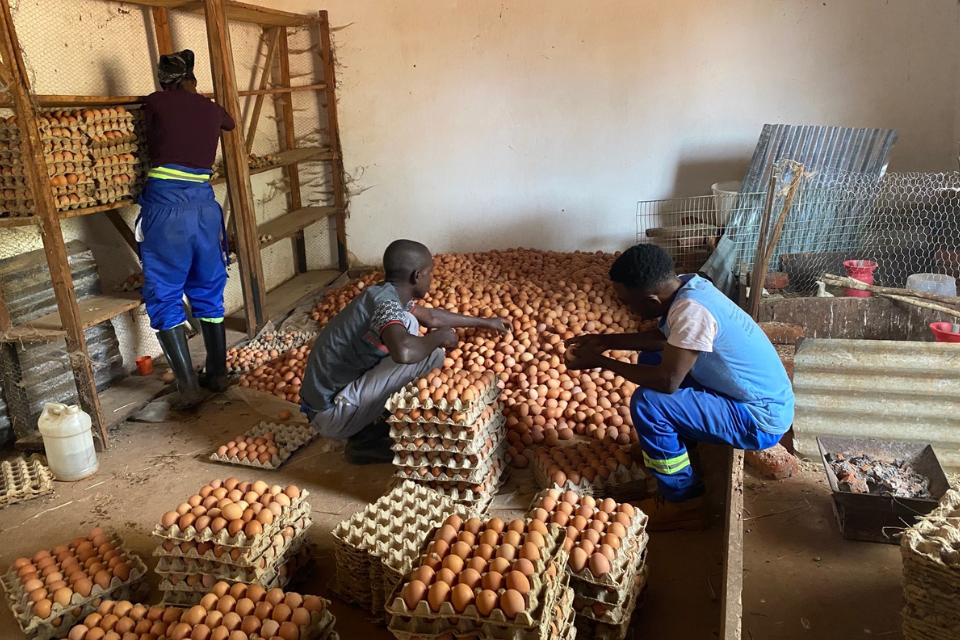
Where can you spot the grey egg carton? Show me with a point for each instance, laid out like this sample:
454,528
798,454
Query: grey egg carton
19,601
427,456
276,342
297,556
588,628
256,544
179,565
289,437
406,399
619,613
457,426
465,472
22,480
446,438
628,483
533,624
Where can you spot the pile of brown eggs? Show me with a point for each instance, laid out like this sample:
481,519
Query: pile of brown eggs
235,612
596,529
261,449
592,461
52,577
233,506
489,565
282,376
549,297
451,385
261,350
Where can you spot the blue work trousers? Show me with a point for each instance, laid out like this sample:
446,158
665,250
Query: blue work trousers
182,247
664,420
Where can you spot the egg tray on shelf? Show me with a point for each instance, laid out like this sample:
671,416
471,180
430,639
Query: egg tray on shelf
296,555
114,150
455,473
255,545
407,399
21,606
448,438
288,436
24,479
430,455
589,628
179,565
623,485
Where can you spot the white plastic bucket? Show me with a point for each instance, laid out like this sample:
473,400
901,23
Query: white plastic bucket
725,196
68,441
933,283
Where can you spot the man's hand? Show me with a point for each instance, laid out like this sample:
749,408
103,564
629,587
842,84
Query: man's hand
448,337
591,341
500,325
583,357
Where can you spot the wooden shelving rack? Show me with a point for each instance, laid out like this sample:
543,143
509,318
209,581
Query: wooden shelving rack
259,305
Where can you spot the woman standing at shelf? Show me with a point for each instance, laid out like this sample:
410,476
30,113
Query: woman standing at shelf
180,228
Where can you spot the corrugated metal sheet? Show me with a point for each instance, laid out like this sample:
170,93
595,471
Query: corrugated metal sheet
821,149
891,390
45,373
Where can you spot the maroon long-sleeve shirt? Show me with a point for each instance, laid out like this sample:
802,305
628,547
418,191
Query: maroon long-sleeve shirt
184,128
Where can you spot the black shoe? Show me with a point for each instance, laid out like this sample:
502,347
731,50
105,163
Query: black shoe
215,341
175,348
370,446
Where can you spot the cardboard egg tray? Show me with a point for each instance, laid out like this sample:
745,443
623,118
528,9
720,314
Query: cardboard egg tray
623,485
614,614
428,456
114,150
274,341
289,438
69,619
19,600
611,596
444,422
589,628
22,480
449,438
171,564
406,399
452,471
478,500
296,555
254,546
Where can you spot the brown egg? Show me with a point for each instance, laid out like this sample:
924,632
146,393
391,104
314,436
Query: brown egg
269,628
469,577
169,519
250,625
535,526
42,609
226,604
179,631
219,633
495,524
627,508
62,596
77,632
489,537
473,526
608,505
511,538
274,596
201,632
599,564
281,612
122,571
477,564
517,581
507,552
289,631
245,607
578,559
213,619
512,603
300,617
438,593
232,621
413,592
461,597
492,580
256,593
486,602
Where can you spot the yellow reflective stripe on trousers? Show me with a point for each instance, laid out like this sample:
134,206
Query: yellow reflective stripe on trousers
668,466
163,173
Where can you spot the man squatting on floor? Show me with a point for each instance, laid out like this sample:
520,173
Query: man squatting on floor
372,349
706,373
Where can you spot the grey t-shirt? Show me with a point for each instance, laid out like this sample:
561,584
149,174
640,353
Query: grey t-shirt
350,344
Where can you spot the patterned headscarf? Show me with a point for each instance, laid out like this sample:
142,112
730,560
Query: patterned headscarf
175,67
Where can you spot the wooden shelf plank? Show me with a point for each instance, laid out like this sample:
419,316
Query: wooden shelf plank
92,311
286,158
85,211
284,298
49,100
238,11
21,221
287,225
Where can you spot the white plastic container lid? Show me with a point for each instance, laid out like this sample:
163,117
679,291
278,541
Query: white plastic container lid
933,283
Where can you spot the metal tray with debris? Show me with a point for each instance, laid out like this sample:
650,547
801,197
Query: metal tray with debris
24,479
875,517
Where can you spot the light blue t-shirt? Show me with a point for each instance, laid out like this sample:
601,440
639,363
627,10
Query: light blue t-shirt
743,365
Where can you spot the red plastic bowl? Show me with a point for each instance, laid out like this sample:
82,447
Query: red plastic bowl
942,332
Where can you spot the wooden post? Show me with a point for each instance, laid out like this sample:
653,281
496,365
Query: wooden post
161,25
339,197
35,168
290,142
236,167
264,79
732,596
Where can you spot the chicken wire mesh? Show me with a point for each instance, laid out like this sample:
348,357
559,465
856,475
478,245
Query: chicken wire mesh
897,225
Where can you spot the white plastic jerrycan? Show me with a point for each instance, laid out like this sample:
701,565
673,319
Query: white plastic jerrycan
68,441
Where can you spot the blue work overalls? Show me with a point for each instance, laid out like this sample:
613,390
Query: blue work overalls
182,246
738,394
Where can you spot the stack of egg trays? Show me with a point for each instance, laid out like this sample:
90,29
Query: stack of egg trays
465,438
276,341
470,469
16,197
623,485
548,585
22,480
467,454
183,593
477,500
590,628
376,547
406,399
42,628
289,438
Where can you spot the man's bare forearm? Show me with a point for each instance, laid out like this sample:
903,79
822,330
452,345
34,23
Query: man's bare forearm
650,340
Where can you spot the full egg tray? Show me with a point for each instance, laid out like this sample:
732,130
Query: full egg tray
426,455
179,565
22,480
455,426
478,500
406,399
289,438
19,600
589,628
614,614
275,342
474,473
410,437
255,545
623,485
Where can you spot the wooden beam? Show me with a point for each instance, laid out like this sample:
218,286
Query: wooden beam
237,11
161,25
264,79
339,197
290,142
123,229
35,168
732,596
235,165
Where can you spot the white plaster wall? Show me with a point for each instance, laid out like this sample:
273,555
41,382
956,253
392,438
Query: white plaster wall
477,124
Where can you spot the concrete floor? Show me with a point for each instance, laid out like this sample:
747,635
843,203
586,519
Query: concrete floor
802,580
